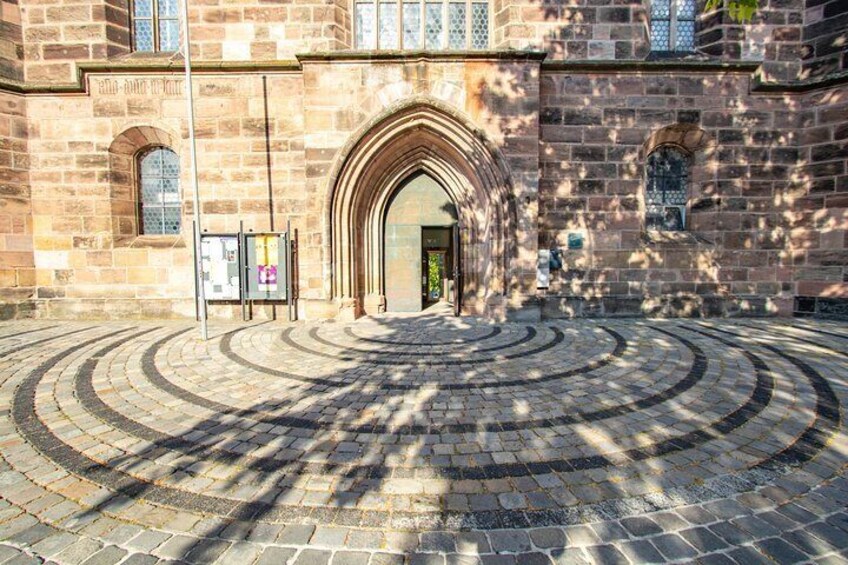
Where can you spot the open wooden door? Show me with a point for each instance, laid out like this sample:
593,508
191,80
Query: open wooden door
457,274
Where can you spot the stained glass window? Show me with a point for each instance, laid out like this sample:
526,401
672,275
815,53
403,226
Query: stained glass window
412,25
433,25
665,193
366,36
389,25
159,183
456,25
673,25
479,25
428,24
156,25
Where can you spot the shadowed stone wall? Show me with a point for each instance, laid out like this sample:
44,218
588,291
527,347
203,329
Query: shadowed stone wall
825,37
767,196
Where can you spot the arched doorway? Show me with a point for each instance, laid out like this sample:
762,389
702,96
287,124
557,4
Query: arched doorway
421,136
419,248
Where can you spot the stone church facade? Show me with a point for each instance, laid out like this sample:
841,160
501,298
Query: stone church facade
672,162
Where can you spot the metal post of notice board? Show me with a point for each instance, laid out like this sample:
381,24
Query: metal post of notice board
247,311
196,274
243,275
289,296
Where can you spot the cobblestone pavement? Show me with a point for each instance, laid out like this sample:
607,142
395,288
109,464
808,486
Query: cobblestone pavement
431,440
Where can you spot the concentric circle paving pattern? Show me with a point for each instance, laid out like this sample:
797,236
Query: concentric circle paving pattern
432,438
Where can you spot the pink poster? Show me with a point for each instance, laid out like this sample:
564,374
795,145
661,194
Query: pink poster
267,274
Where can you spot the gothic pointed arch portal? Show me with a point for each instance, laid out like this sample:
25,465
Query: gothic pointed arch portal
420,136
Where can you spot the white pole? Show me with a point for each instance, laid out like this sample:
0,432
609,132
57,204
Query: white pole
201,295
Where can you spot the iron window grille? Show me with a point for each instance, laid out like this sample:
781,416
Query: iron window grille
421,24
159,185
673,25
156,26
665,193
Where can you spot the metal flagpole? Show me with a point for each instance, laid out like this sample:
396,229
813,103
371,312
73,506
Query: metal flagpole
201,295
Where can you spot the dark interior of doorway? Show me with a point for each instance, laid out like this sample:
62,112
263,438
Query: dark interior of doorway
437,275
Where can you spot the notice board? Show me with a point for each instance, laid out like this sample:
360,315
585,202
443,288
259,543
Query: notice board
265,272
219,256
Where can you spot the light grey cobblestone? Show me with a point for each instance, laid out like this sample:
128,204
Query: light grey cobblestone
312,444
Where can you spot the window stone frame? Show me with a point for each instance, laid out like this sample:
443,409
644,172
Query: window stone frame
123,179
701,150
688,159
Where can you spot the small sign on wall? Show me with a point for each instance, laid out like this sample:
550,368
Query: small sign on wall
543,269
575,240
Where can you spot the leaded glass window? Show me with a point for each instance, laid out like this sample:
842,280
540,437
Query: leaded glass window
665,193
412,25
389,25
421,24
366,36
456,25
159,183
479,25
673,25
433,25
155,25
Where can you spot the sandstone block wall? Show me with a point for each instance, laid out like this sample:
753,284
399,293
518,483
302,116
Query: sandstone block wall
17,268
575,30
767,159
825,37
59,35
565,141
250,157
818,221
11,41
773,37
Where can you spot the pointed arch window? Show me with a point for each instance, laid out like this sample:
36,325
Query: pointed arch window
159,187
673,25
666,187
155,26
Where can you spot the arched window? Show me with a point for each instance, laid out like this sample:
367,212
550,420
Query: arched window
665,193
155,25
159,183
673,25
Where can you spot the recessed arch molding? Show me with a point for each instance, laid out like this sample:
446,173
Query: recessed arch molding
421,135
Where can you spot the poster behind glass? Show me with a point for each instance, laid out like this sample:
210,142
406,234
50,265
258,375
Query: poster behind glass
266,266
219,255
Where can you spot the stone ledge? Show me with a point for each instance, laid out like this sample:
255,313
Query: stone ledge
667,239
664,306
174,65
150,241
389,55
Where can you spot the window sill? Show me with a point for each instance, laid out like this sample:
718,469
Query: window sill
379,54
150,241
146,57
672,239
676,56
